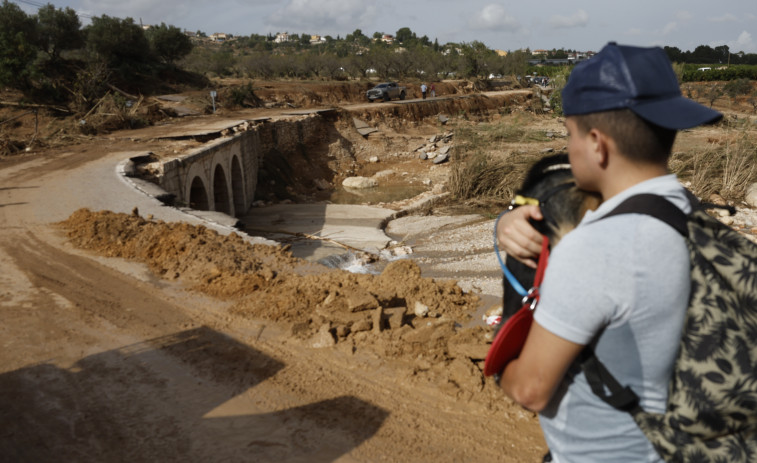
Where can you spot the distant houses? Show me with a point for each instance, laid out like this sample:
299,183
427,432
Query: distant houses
539,56
572,58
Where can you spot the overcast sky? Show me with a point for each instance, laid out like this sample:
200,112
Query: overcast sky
584,25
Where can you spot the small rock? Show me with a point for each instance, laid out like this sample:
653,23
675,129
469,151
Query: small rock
427,181
717,199
547,150
321,184
401,251
378,320
751,195
323,338
420,309
443,119
444,149
328,300
396,317
360,300
361,325
373,159
441,158
423,156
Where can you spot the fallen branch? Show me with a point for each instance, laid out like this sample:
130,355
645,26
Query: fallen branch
31,105
118,90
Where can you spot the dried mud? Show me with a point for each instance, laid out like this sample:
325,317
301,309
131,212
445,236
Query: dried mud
398,314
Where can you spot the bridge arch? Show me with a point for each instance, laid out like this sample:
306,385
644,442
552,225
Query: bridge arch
198,195
238,196
221,200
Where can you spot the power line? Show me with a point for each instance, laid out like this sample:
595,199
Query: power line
40,5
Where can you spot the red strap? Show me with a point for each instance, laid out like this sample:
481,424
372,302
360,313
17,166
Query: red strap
533,294
542,265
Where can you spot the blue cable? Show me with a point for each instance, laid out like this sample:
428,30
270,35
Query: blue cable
510,277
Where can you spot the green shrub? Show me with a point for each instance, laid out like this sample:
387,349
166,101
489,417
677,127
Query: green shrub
738,87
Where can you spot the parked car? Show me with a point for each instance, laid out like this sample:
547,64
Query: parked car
386,91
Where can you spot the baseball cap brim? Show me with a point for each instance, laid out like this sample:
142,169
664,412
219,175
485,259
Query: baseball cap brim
675,113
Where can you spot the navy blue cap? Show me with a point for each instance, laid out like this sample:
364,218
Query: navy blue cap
640,79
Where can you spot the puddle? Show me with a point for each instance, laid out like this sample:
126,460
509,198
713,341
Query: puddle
379,194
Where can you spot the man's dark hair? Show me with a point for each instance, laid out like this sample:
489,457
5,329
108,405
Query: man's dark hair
636,138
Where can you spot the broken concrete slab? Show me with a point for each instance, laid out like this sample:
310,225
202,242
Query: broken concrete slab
362,127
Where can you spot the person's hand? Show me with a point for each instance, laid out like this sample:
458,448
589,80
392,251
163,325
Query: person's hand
517,237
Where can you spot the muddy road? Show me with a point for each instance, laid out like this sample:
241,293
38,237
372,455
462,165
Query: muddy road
106,359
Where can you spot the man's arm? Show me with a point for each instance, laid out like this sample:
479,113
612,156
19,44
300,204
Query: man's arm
517,238
532,378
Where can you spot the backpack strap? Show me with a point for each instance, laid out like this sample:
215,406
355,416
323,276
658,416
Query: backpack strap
655,206
604,385
602,382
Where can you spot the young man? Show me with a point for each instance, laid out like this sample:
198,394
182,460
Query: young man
621,284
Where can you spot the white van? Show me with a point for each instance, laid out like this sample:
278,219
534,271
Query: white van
704,69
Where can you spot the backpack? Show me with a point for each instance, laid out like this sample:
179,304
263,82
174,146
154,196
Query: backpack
711,413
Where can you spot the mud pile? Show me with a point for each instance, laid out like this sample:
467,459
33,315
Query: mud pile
416,322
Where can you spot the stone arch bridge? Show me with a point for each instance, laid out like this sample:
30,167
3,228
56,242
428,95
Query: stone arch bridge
220,176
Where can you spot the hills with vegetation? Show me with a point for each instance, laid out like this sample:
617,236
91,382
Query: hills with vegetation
52,59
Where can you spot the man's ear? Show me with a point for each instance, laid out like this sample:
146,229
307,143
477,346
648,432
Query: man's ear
600,147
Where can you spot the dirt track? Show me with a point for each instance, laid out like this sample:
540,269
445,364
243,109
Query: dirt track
103,360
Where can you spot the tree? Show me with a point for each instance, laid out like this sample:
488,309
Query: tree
59,30
404,35
119,43
358,38
516,63
674,54
476,59
18,47
169,43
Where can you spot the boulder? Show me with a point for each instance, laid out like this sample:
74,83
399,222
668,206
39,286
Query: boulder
359,182
751,195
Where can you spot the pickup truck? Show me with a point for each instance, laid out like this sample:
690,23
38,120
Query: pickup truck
386,92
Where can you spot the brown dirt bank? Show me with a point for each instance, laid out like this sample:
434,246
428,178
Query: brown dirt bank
401,327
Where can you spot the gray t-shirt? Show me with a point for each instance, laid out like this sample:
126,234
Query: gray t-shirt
621,284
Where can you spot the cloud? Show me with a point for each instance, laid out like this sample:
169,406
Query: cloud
744,43
683,15
149,10
728,17
579,19
322,15
493,17
670,27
